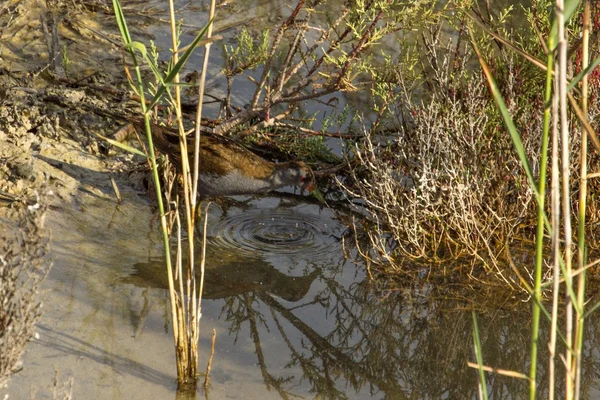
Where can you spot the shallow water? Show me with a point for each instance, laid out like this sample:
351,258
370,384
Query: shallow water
292,316
106,321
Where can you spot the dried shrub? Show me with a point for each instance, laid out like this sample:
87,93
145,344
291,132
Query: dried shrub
449,184
23,267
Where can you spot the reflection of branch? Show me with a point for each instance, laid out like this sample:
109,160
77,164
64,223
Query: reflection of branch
330,352
341,300
270,381
310,370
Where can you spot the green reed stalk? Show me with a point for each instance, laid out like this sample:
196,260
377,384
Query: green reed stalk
581,248
152,156
184,319
539,237
539,189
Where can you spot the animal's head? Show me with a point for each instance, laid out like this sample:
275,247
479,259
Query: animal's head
298,174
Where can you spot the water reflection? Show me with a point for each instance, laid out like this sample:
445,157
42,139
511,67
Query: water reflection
296,324
321,328
230,279
313,323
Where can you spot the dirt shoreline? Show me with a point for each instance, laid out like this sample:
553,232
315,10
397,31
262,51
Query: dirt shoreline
45,134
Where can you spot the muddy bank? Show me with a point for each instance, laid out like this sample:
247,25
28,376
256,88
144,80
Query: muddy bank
47,144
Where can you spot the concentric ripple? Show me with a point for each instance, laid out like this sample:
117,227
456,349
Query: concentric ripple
302,231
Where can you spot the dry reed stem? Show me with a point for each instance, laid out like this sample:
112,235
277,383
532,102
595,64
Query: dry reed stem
201,86
209,365
499,371
555,222
186,308
565,163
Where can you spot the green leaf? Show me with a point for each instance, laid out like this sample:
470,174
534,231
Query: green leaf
318,195
123,146
135,45
178,67
121,22
583,73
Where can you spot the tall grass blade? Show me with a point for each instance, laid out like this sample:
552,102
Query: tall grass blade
178,67
508,121
479,357
121,22
583,73
123,146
